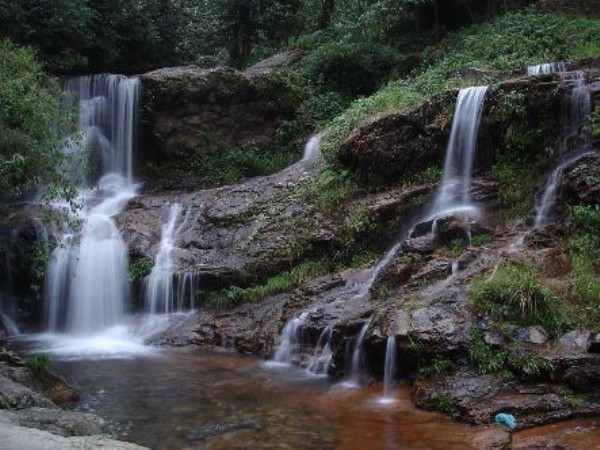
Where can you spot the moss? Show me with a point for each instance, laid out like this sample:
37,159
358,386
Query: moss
443,402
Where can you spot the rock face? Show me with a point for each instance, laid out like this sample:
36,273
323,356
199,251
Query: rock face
402,144
581,182
234,235
399,145
191,111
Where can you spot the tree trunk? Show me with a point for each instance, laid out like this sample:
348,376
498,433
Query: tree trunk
327,7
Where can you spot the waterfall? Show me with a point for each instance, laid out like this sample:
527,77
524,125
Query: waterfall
322,355
390,368
86,280
357,356
579,107
453,195
291,338
162,294
312,147
552,67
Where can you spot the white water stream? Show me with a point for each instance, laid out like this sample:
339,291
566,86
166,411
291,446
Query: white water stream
87,284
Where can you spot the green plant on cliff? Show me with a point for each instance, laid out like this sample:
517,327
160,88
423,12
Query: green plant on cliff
506,361
595,123
282,282
39,364
140,268
584,254
514,293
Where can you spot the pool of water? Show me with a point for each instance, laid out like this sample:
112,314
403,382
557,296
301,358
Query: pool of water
183,398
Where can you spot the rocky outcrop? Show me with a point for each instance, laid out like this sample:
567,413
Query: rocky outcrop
234,235
189,111
30,418
399,145
478,398
581,182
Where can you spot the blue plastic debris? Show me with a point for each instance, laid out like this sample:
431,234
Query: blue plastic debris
506,419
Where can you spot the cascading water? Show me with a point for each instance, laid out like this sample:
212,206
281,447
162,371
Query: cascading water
86,280
166,293
575,147
357,357
291,337
322,355
453,195
312,148
390,368
552,67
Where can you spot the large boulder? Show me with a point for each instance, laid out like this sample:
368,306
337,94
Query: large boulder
190,111
398,145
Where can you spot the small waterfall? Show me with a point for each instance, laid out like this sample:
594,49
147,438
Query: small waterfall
6,320
358,356
322,355
86,280
390,368
453,195
579,107
166,293
312,147
291,338
552,67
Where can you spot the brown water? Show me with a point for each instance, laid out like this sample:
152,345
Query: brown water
159,400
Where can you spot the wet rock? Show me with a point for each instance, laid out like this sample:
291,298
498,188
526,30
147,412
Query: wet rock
583,379
17,396
53,386
236,235
576,340
434,270
595,343
14,437
61,422
581,182
493,338
494,438
532,335
478,398
422,245
399,145
216,429
189,111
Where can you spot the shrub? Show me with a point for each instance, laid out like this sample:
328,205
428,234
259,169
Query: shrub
514,293
140,268
350,69
39,363
282,282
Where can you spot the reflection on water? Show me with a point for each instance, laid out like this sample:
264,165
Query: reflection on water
183,398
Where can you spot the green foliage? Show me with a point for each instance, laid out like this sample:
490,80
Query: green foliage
437,366
443,402
504,361
39,364
584,253
516,185
480,239
30,127
140,268
595,122
514,293
350,69
282,282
